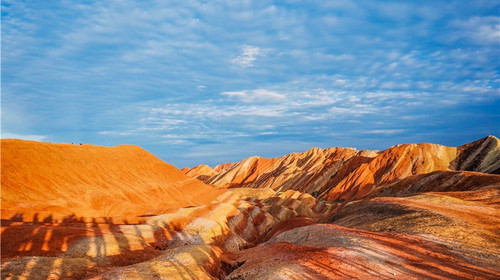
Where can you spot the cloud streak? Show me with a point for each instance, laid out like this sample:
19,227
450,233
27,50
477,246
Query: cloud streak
255,95
247,57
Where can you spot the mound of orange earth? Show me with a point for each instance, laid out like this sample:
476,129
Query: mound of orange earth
345,174
44,181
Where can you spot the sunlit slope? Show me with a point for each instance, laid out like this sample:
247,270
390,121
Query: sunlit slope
92,181
344,174
395,163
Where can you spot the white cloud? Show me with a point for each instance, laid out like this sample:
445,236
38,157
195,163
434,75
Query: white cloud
239,94
341,111
384,131
479,30
449,102
353,98
354,110
255,95
7,135
248,55
316,117
394,85
384,95
268,133
117,133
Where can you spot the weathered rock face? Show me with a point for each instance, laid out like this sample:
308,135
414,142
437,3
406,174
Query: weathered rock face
46,181
344,174
244,173
482,155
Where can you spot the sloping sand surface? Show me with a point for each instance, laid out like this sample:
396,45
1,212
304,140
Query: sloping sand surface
45,181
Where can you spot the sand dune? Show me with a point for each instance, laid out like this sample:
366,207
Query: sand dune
92,181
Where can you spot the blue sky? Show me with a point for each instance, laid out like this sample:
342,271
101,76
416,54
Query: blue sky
218,81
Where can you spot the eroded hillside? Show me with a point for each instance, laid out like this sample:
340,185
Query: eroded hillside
340,174
419,211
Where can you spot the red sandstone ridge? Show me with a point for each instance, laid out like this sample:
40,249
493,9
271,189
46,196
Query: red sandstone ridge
310,171
201,172
342,174
392,164
244,173
57,180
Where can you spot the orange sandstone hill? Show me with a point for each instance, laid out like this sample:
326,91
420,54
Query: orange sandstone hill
342,174
56,180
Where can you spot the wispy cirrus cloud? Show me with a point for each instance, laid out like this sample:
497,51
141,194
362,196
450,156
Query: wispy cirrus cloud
477,30
384,131
255,95
247,56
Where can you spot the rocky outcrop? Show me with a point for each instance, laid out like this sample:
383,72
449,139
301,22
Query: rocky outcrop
482,155
243,174
438,181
